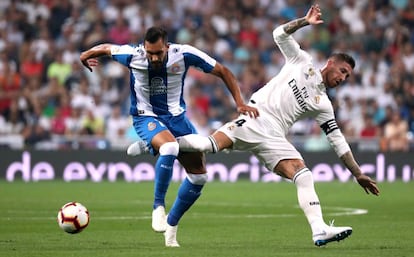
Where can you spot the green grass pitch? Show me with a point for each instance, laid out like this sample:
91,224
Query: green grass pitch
229,220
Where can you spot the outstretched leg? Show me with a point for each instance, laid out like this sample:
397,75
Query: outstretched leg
309,202
211,144
189,143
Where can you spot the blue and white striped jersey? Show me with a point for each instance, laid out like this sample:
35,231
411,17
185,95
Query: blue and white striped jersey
160,92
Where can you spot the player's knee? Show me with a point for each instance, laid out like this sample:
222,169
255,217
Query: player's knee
197,179
169,148
289,167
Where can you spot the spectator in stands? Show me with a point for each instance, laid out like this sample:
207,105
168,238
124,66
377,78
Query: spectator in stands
10,85
58,125
92,125
13,121
351,89
82,98
411,122
119,33
38,128
110,95
350,13
349,117
316,141
44,28
31,67
59,69
395,134
369,129
73,124
63,111
117,126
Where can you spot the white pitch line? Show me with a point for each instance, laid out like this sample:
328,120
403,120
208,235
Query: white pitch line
335,211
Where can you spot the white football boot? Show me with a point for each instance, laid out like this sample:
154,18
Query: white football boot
159,219
330,234
137,148
170,235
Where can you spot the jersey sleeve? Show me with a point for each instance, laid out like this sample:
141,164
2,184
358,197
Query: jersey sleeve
288,46
327,122
122,54
198,59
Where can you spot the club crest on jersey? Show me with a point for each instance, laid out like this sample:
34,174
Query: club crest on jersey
151,126
310,73
175,68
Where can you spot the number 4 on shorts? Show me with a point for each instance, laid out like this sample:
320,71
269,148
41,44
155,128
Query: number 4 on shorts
240,122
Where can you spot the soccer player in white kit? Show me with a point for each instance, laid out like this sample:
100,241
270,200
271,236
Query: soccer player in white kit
157,72
298,91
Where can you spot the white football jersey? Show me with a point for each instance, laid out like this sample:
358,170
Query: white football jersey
160,92
297,92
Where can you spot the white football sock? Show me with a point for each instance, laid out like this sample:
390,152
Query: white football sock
196,143
308,199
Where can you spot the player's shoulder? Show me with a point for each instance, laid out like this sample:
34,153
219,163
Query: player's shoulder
300,61
138,50
182,49
305,58
128,49
174,48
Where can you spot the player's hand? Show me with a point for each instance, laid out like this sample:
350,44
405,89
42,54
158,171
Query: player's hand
248,110
368,184
89,63
314,15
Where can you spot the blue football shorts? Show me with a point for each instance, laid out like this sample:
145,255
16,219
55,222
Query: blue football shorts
148,126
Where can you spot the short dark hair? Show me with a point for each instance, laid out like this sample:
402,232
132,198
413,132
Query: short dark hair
343,57
153,34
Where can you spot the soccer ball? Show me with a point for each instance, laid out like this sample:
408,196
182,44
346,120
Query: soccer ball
73,217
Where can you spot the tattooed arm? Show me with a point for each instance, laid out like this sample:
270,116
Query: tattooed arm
349,161
313,16
287,44
364,181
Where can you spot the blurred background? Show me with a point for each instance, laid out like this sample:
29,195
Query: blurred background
48,100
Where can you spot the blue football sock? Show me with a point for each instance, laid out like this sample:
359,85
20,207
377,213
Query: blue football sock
188,193
163,174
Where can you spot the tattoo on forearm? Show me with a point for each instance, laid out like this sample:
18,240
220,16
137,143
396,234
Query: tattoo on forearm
350,163
294,25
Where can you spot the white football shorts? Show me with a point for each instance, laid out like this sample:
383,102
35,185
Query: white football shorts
262,139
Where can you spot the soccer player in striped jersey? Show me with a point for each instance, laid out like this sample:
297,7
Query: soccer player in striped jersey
157,73
298,91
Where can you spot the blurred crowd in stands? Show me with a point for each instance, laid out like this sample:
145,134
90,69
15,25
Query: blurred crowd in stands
48,99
